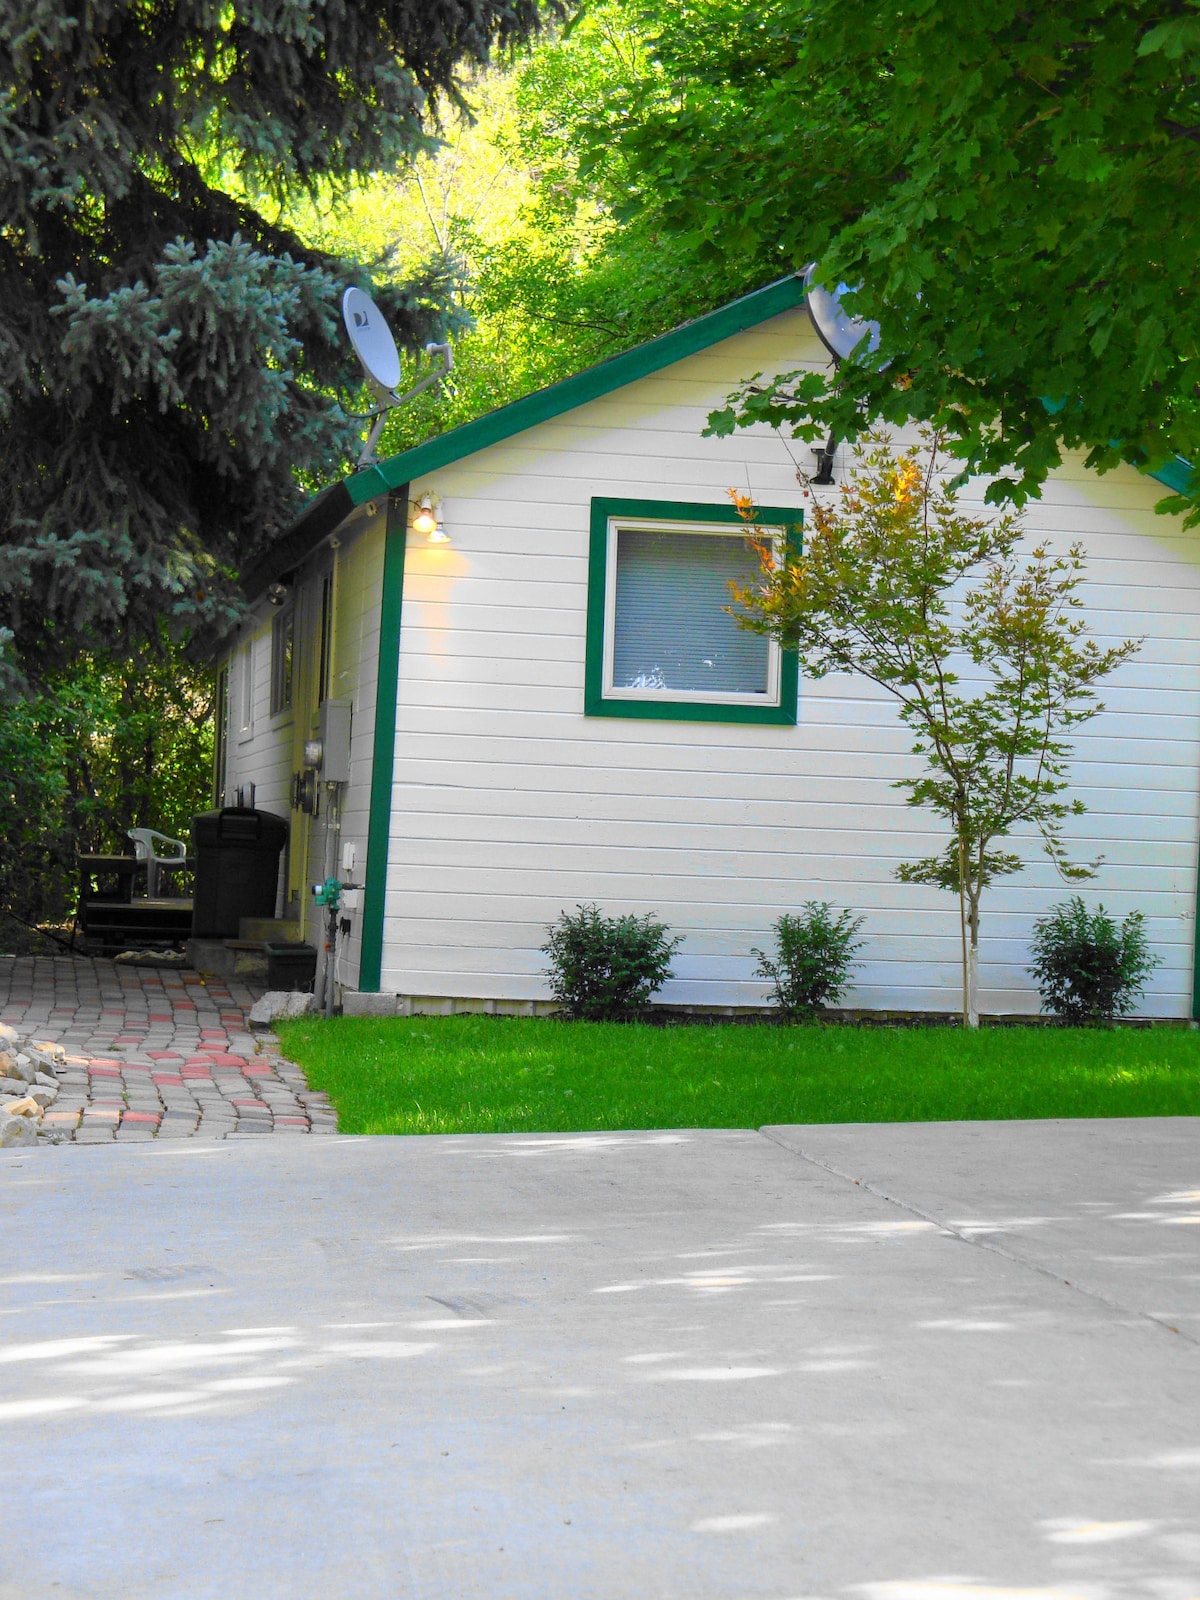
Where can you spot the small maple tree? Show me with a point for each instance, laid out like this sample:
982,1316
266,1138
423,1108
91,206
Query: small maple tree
979,642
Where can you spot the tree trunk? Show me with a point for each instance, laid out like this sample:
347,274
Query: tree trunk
970,1010
971,995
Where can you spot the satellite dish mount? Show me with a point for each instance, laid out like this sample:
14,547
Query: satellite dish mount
841,334
376,350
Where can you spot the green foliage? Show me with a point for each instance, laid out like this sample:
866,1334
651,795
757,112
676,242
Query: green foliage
551,275
1088,968
1013,187
606,968
169,344
106,746
980,644
815,953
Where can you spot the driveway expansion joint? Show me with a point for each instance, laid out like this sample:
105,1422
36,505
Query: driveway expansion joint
978,1243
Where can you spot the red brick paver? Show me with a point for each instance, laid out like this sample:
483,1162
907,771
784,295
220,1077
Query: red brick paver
155,1052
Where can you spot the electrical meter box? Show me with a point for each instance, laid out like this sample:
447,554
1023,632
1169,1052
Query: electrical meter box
333,730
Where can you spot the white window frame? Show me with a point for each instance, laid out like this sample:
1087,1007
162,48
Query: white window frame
246,692
709,697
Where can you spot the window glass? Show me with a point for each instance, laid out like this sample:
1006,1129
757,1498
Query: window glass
221,734
671,629
324,665
283,630
246,716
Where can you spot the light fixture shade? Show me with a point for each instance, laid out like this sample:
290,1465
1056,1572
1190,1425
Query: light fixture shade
840,333
425,519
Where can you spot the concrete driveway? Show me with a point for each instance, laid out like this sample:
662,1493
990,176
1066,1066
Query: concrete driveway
891,1362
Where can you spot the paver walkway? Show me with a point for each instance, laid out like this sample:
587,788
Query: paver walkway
155,1052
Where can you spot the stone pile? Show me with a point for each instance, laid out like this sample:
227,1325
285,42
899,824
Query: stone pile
29,1073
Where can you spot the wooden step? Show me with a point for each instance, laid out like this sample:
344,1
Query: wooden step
130,924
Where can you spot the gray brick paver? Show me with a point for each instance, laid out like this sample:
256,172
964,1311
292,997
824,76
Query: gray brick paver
141,1022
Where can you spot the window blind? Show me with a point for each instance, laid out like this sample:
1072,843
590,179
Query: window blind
670,627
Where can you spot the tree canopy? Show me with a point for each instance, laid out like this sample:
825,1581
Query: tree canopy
169,344
1012,190
549,274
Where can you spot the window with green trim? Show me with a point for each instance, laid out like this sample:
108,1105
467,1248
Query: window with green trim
660,640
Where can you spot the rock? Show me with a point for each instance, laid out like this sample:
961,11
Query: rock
47,1078
28,1107
279,1003
43,1095
42,1060
8,1060
22,1067
16,1086
16,1131
152,958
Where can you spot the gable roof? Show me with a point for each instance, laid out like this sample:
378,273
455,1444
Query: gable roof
326,511
330,508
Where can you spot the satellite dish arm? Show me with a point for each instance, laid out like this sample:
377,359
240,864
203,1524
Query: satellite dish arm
389,399
447,367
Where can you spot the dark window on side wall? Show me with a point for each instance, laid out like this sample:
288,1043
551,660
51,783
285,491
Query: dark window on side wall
283,640
325,666
220,734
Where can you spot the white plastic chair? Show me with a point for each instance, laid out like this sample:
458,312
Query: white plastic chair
146,843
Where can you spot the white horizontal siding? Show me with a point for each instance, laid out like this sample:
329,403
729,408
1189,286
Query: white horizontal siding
272,750
509,805
262,754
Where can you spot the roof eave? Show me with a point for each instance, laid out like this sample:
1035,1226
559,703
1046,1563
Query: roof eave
330,508
322,516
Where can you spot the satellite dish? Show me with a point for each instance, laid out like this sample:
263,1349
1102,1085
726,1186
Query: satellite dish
840,333
372,340
376,350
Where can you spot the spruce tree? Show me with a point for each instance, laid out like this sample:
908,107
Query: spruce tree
168,345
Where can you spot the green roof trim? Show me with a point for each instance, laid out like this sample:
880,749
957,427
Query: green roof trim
1177,475
590,384
383,759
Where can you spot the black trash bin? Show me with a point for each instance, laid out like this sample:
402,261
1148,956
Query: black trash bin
237,868
292,967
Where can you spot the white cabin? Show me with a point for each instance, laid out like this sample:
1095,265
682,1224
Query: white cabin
518,747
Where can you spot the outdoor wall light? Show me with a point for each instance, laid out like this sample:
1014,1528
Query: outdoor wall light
277,593
427,521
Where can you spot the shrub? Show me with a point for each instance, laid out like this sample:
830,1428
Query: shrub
1087,968
816,951
604,969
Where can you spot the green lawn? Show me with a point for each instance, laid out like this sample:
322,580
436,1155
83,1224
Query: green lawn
473,1074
